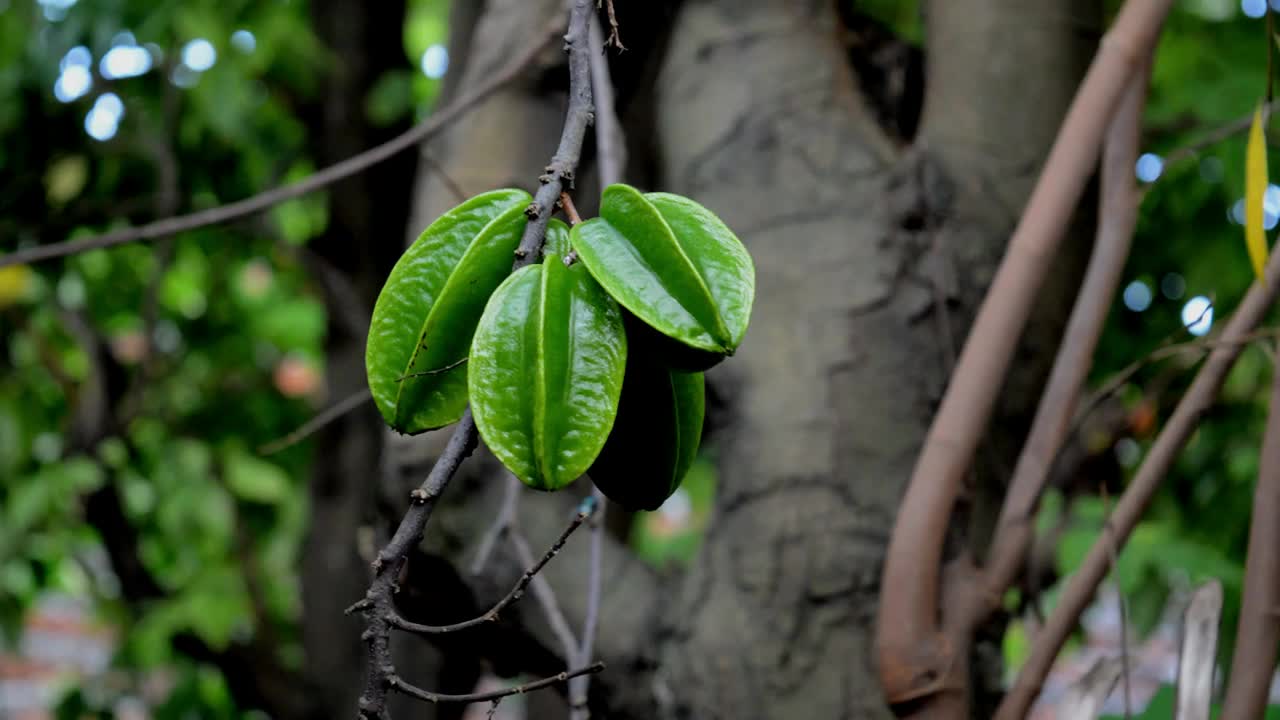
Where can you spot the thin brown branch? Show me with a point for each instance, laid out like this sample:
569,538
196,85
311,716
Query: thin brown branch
501,524
585,511
615,39
322,418
570,210
450,184
400,685
1215,136
1258,633
1118,214
595,582
1115,382
546,596
411,138
611,145
1164,451
912,655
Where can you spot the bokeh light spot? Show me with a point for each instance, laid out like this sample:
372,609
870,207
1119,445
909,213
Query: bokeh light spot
1172,285
435,61
1149,167
72,83
199,55
1137,296
1197,315
103,119
244,41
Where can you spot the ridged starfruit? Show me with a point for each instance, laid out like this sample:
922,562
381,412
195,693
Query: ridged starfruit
655,438
428,309
674,265
546,368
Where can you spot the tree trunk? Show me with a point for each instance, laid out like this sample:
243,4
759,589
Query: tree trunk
350,261
870,259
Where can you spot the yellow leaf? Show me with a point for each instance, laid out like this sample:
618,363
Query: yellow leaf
1255,189
15,281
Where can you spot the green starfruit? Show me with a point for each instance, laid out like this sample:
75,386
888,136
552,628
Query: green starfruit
654,439
674,265
428,309
546,368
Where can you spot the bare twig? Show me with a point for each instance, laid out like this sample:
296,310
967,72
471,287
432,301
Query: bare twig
450,184
322,418
547,598
585,511
614,38
611,146
564,163
400,685
1215,136
501,523
1258,632
579,687
1081,585
1198,655
332,174
377,607
570,210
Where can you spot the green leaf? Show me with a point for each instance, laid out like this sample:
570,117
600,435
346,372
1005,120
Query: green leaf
427,312
254,479
655,437
546,369
675,265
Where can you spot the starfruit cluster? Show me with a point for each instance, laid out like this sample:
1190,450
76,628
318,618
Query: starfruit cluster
589,362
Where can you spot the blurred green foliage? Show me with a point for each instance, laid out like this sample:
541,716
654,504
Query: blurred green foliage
224,328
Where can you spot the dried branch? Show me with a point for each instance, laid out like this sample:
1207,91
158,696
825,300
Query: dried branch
579,687
547,598
1217,135
377,607
1258,632
611,146
401,686
912,655
411,138
322,418
450,184
1164,451
585,510
614,38
501,523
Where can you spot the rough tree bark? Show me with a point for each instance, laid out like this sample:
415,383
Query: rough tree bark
753,108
